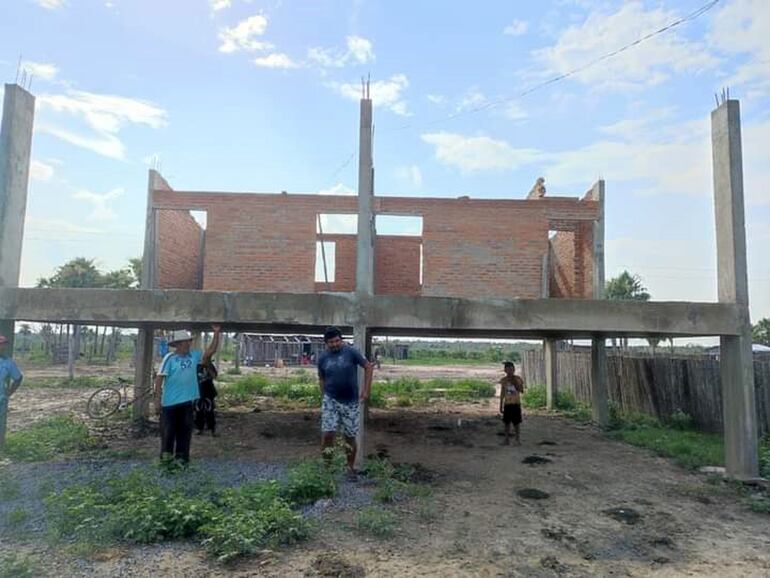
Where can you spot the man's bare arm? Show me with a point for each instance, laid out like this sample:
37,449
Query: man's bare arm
368,377
14,386
213,346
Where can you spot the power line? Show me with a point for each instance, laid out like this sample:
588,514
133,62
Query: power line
494,103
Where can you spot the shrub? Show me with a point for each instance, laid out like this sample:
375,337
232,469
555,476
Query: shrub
310,481
16,517
377,522
680,420
13,565
534,397
47,439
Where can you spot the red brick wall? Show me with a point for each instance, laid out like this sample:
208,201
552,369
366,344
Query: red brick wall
471,248
397,265
178,249
562,265
344,264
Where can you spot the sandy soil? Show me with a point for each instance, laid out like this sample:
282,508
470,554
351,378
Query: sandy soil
482,527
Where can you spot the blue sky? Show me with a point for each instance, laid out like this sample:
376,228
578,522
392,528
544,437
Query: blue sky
260,96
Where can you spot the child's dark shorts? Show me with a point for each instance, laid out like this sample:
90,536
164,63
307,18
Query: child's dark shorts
512,413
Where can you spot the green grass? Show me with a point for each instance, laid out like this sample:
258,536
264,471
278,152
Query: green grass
83,381
690,449
13,565
410,391
16,517
435,361
377,522
48,439
149,506
10,489
301,388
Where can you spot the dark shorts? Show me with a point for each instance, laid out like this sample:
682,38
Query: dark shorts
512,414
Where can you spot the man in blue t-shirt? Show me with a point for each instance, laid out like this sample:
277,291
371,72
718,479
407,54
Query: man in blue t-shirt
177,384
10,380
338,380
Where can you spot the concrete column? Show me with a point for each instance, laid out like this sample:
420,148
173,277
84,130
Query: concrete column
364,249
601,413
736,359
15,150
360,339
366,233
145,339
143,375
549,354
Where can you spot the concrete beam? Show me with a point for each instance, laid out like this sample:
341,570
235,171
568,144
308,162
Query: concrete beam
385,315
736,363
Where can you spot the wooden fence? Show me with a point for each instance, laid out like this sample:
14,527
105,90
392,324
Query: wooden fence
657,385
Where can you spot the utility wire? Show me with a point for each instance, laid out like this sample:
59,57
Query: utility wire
503,100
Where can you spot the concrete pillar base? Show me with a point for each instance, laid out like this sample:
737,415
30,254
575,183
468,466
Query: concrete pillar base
143,376
739,407
601,412
551,373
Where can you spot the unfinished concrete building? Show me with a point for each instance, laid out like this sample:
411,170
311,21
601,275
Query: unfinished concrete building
483,268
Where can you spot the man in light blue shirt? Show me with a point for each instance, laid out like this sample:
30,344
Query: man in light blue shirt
10,380
177,384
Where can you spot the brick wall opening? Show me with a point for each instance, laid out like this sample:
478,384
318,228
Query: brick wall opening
325,262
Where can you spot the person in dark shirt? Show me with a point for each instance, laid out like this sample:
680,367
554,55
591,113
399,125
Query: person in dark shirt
205,407
341,398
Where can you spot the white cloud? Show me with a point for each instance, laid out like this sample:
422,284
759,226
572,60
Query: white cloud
40,171
275,60
40,70
359,51
58,228
385,93
436,98
243,35
101,211
411,174
649,63
675,161
105,114
477,153
51,4
474,98
217,5
338,189
516,28
514,111
743,27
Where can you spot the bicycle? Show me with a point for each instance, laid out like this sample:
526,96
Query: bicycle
107,401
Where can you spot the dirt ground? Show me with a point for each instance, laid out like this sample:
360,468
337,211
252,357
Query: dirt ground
611,510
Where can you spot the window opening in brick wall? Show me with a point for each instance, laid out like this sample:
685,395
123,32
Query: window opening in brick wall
402,226
336,224
201,217
325,250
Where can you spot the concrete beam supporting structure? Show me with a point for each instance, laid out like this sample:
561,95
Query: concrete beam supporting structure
385,314
146,336
15,150
551,372
364,253
598,342
736,363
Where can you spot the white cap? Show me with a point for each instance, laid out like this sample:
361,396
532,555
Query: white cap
179,335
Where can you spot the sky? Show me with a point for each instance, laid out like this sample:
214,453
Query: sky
262,96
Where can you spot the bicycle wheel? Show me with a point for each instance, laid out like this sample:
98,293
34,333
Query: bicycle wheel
103,403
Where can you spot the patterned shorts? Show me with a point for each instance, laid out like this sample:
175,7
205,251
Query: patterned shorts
335,414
